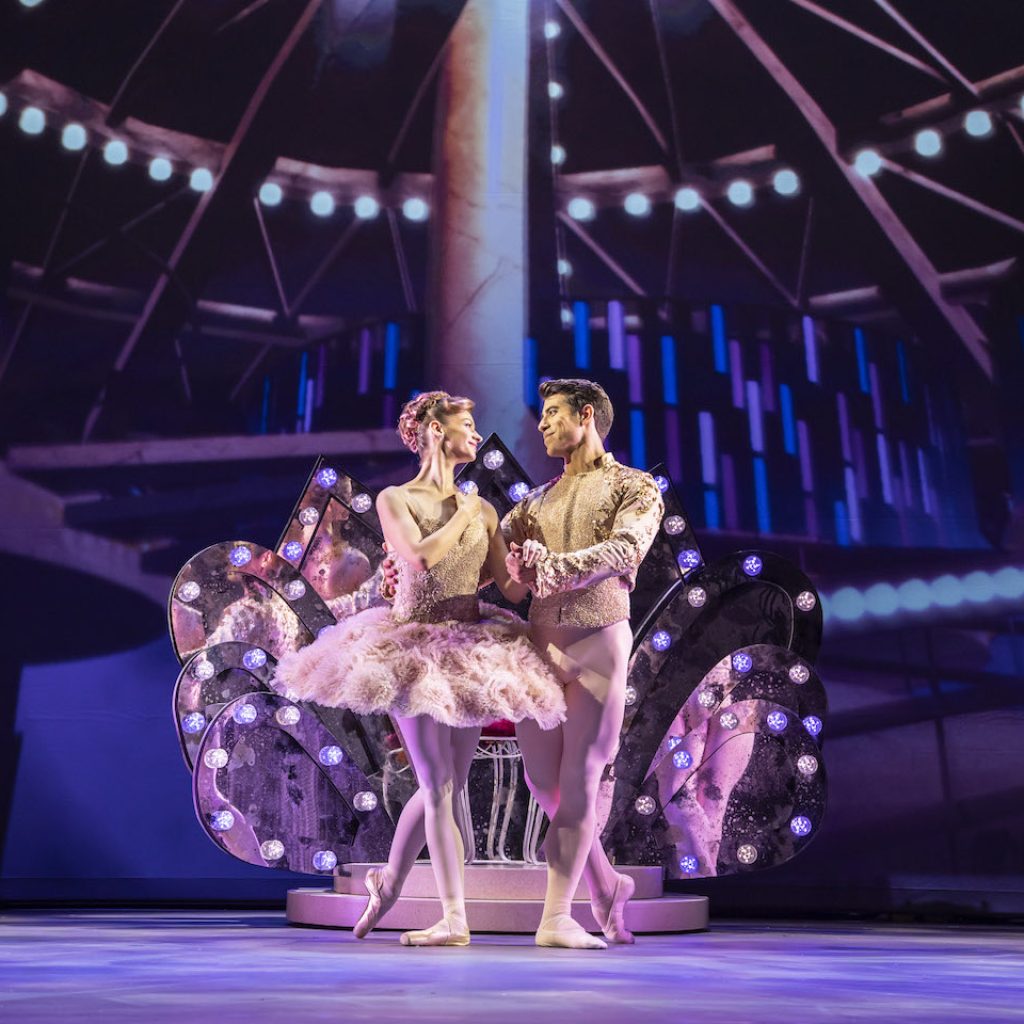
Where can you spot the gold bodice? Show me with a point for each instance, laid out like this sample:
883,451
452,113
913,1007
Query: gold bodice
447,590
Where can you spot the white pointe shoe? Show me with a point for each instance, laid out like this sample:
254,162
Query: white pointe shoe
376,906
611,919
564,933
440,934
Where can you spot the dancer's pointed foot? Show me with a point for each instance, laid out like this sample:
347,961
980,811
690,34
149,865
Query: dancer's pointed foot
381,900
564,932
610,916
441,934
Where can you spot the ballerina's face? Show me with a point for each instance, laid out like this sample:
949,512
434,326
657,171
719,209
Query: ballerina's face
460,436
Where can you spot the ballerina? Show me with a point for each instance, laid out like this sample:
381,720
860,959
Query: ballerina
438,661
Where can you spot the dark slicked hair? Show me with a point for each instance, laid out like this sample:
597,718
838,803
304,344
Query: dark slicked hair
579,393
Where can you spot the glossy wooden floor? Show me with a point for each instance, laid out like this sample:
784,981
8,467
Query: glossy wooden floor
151,967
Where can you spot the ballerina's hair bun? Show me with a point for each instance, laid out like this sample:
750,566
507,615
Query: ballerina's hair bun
427,406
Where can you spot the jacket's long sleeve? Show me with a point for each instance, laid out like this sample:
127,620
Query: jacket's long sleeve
632,532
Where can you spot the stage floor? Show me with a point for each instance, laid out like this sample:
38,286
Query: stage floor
223,966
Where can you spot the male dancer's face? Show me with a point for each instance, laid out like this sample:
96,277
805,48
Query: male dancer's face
563,429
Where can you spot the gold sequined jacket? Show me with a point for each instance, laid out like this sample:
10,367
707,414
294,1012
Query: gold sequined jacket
597,526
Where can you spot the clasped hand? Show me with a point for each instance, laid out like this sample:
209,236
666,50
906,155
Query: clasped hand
522,560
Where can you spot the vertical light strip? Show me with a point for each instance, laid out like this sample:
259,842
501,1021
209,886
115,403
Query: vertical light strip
673,455
307,421
884,469
876,397
637,439
616,335
767,378
530,373
806,466
708,466
391,339
860,463
300,401
842,525
901,361
754,417
365,359
844,427
581,334
788,420
810,349
669,384
764,512
718,339
852,503
712,515
736,372
635,370
862,359
922,469
732,508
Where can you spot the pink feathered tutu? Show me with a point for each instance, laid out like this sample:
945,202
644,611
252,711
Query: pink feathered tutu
459,673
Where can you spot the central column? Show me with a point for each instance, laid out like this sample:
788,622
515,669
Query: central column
478,284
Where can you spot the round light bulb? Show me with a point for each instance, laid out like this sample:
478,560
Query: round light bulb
271,193
73,137
115,152
160,168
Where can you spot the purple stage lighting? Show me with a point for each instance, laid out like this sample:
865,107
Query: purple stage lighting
255,658
193,723
222,821
327,478
688,559
777,721
661,641
752,565
800,825
742,662
812,724
331,756
240,556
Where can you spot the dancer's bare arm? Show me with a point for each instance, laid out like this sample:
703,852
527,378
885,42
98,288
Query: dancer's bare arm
497,553
403,535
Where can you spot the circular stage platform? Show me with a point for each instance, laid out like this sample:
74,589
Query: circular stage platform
499,898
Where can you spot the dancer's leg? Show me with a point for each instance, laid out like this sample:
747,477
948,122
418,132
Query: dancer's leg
385,884
542,759
430,748
595,702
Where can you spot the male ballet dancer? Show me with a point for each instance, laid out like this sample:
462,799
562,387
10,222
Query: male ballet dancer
578,541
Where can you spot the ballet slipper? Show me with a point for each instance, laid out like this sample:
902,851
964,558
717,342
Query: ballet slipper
376,906
562,931
440,934
611,917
